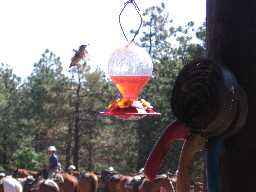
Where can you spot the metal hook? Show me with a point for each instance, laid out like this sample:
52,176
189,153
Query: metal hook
141,20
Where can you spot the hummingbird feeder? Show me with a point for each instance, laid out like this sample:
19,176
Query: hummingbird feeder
130,68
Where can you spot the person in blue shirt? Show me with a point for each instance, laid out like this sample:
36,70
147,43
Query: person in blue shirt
53,161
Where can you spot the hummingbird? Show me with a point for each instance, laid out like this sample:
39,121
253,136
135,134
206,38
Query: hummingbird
79,55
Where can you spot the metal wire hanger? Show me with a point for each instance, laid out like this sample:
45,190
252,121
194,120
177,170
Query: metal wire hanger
141,20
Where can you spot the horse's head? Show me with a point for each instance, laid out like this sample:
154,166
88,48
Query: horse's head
21,173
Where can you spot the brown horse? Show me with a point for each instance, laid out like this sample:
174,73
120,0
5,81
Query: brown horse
119,183
75,173
37,186
45,186
21,173
125,183
70,183
160,183
88,182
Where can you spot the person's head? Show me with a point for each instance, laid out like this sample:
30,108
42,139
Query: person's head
111,169
2,174
51,149
71,168
141,171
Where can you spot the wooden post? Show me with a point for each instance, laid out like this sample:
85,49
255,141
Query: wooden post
231,36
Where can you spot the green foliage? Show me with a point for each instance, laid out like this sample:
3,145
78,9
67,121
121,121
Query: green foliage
156,30
28,158
46,101
201,35
2,168
10,120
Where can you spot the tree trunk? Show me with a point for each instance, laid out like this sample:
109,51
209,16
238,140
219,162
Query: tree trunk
5,149
90,157
90,146
77,125
231,27
69,145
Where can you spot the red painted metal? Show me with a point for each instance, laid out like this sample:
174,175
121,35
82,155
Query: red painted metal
174,131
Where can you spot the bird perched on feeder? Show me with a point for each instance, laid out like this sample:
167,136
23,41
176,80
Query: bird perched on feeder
79,55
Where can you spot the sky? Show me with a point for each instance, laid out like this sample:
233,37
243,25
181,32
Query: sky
28,27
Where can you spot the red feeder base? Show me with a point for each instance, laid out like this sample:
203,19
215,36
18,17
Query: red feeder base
127,109
129,113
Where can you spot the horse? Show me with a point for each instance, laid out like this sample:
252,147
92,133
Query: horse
34,185
74,173
111,181
121,183
21,173
10,184
69,183
45,186
160,183
118,183
65,183
88,182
